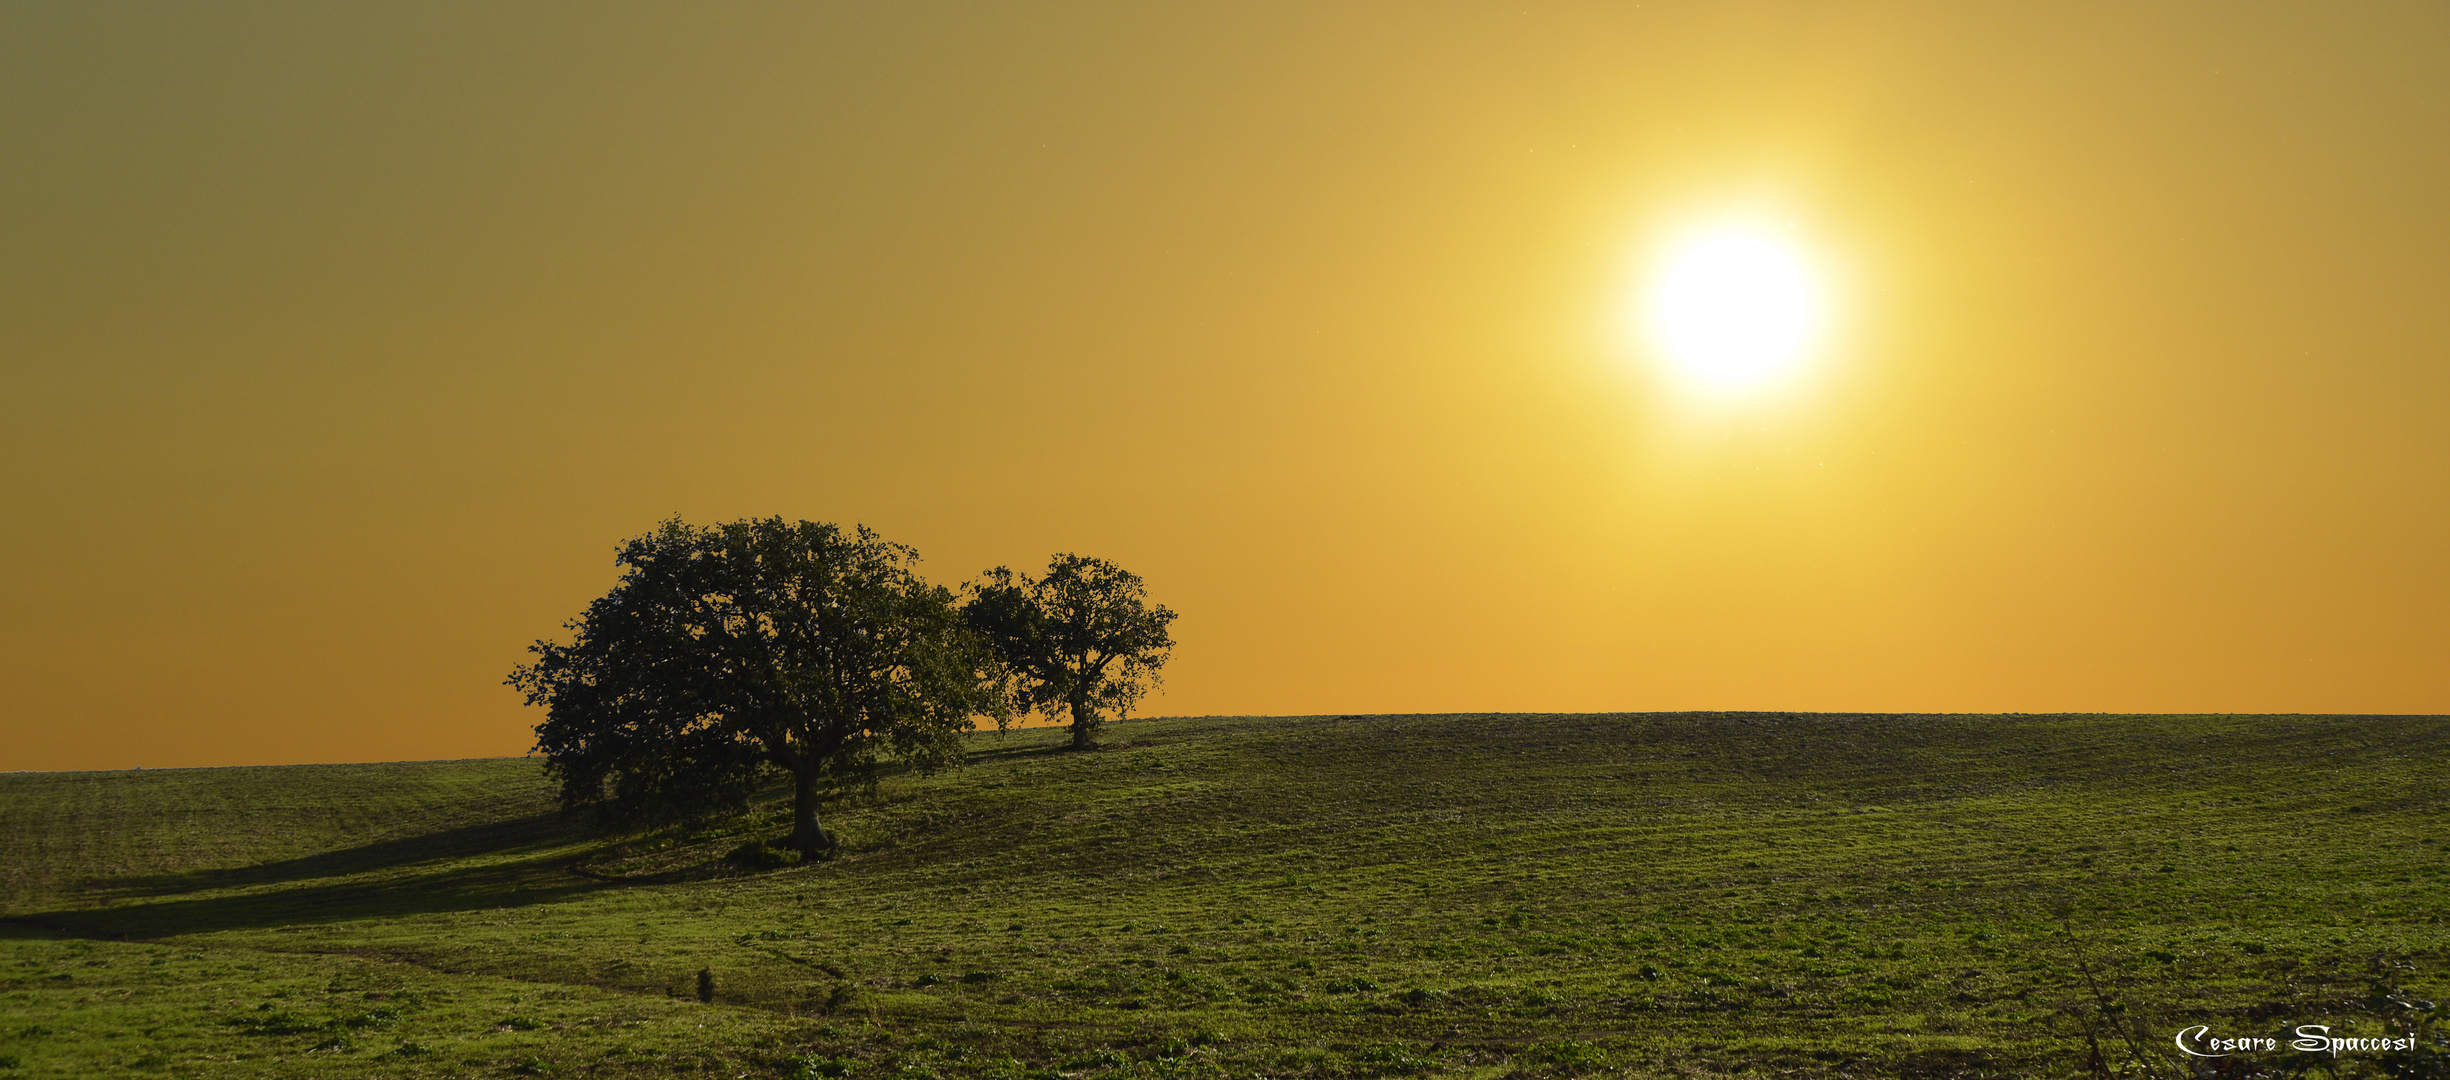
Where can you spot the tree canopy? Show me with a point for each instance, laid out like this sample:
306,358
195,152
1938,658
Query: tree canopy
731,650
1083,638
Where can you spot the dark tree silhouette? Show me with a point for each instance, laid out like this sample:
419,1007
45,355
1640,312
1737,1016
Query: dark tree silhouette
1082,638
731,650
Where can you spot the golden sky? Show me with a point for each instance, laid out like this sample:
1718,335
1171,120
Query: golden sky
340,344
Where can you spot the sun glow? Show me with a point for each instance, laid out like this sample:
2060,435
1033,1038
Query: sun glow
1732,308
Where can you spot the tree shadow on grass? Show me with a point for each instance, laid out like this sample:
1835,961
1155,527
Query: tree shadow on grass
533,833
1020,753
518,862
526,861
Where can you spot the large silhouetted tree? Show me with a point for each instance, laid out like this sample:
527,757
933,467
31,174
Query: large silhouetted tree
731,650
1083,638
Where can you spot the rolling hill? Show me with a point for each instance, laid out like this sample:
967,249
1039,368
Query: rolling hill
1469,895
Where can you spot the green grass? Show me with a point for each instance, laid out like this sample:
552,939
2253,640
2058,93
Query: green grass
1676,895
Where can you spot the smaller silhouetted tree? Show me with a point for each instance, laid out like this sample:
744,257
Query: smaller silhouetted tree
1082,639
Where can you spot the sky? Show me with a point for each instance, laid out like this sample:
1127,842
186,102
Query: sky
340,345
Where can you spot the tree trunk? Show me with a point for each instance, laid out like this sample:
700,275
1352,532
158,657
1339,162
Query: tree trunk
1083,722
806,835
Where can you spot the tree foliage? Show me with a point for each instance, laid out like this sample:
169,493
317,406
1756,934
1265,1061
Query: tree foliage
1081,639
729,651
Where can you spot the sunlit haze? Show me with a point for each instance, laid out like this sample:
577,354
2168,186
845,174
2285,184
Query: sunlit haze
1424,358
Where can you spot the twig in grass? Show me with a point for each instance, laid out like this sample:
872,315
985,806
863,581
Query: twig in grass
2103,1007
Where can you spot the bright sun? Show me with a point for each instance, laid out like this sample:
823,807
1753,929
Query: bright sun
1732,308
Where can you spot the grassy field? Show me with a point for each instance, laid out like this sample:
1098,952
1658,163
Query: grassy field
1652,895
